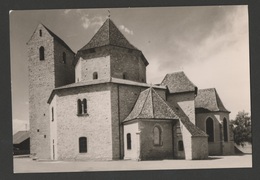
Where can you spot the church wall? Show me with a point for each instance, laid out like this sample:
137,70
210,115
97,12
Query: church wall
186,103
199,147
78,71
53,128
117,127
126,61
126,99
147,148
64,72
218,147
178,154
101,65
134,152
41,83
95,125
123,99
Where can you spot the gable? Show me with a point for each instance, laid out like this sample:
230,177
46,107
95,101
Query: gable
208,100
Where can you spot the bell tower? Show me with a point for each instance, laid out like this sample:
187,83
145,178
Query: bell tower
50,65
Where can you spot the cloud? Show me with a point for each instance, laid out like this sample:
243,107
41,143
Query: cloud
93,22
85,21
128,31
201,35
20,125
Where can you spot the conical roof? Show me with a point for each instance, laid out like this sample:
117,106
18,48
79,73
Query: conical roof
108,34
209,100
150,105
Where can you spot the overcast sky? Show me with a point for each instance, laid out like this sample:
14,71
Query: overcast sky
210,44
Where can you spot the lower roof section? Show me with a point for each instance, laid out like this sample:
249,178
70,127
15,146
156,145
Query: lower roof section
103,81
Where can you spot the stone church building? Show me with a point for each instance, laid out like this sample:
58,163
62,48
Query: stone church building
96,104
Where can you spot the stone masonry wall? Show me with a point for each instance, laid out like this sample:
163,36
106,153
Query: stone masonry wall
134,152
128,62
41,83
101,65
95,125
64,72
178,154
53,127
186,102
123,99
111,61
218,147
147,148
199,147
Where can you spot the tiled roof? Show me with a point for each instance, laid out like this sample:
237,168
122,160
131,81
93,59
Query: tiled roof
20,136
150,105
178,82
208,100
57,38
108,34
101,81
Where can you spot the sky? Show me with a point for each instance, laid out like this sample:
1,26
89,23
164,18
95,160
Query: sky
209,43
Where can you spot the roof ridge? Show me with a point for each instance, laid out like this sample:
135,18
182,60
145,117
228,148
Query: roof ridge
151,89
57,38
166,103
144,100
93,36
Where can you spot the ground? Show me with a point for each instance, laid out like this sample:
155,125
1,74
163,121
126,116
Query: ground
27,165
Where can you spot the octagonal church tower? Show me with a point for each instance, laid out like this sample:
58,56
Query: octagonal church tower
109,54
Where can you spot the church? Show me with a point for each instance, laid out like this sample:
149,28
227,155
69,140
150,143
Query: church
96,105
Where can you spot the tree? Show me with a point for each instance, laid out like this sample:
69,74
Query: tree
242,128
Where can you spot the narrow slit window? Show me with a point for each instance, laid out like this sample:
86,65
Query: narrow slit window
128,139
85,106
40,32
95,75
52,114
79,107
180,146
124,75
64,58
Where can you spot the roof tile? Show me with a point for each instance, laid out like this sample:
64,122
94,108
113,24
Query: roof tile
208,100
178,82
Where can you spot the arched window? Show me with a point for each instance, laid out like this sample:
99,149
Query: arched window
82,144
41,52
210,129
180,146
95,75
225,130
128,139
157,136
85,106
64,58
79,107
124,75
40,33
